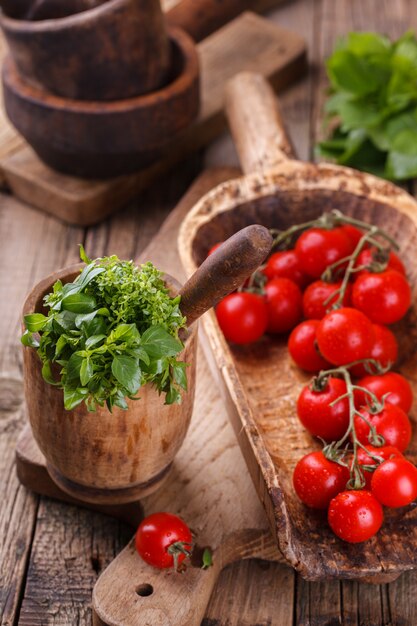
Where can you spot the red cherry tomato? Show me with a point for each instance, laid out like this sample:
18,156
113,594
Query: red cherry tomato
355,516
367,256
214,248
384,452
160,536
354,234
243,317
284,304
384,350
286,264
392,423
392,385
318,416
394,482
385,297
317,480
344,336
303,349
320,292
317,248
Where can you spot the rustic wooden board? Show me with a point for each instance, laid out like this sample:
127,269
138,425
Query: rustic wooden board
248,42
208,483
259,381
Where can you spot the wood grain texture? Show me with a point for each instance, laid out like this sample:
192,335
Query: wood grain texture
271,437
249,42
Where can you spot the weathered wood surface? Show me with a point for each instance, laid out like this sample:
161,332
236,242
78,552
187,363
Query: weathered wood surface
81,542
249,42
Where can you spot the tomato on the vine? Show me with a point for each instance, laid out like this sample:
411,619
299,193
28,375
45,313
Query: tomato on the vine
394,387
317,248
384,350
344,336
302,347
365,458
243,317
319,293
318,414
284,304
163,540
394,482
370,255
392,423
385,297
355,516
317,480
286,264
353,233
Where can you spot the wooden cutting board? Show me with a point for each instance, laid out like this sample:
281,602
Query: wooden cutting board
248,42
209,487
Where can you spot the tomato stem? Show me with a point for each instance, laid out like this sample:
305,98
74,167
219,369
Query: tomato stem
178,548
335,451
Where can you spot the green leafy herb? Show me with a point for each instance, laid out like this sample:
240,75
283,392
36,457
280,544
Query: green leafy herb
112,330
372,108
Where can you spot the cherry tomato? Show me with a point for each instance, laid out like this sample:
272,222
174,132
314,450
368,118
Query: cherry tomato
214,248
317,480
367,256
355,516
320,292
384,452
284,304
392,423
354,234
286,264
318,416
160,536
393,386
243,317
385,297
344,336
317,248
394,482
302,347
384,350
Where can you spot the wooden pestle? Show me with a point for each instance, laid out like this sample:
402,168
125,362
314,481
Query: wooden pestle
225,270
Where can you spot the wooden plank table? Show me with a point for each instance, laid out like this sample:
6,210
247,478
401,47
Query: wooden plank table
52,553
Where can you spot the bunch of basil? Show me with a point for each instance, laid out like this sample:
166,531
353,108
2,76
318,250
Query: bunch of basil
112,330
373,105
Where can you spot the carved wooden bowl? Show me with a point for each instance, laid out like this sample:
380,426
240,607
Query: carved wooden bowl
260,382
116,49
104,139
103,457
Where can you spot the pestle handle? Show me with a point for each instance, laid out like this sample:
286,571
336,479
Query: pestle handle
225,270
256,123
200,18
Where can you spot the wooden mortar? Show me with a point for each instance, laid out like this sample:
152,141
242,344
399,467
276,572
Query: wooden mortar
117,49
118,457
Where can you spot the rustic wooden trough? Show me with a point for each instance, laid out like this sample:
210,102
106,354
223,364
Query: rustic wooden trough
259,381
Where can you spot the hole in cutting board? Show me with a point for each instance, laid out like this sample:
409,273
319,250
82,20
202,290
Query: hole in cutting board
144,590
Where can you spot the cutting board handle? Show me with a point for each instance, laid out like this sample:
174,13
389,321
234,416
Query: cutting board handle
256,123
225,270
200,18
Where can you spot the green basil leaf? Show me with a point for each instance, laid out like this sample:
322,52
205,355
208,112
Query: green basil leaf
83,255
65,320
159,343
29,340
35,322
74,397
74,367
86,371
47,374
124,332
94,340
79,303
60,345
127,371
173,396
180,377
